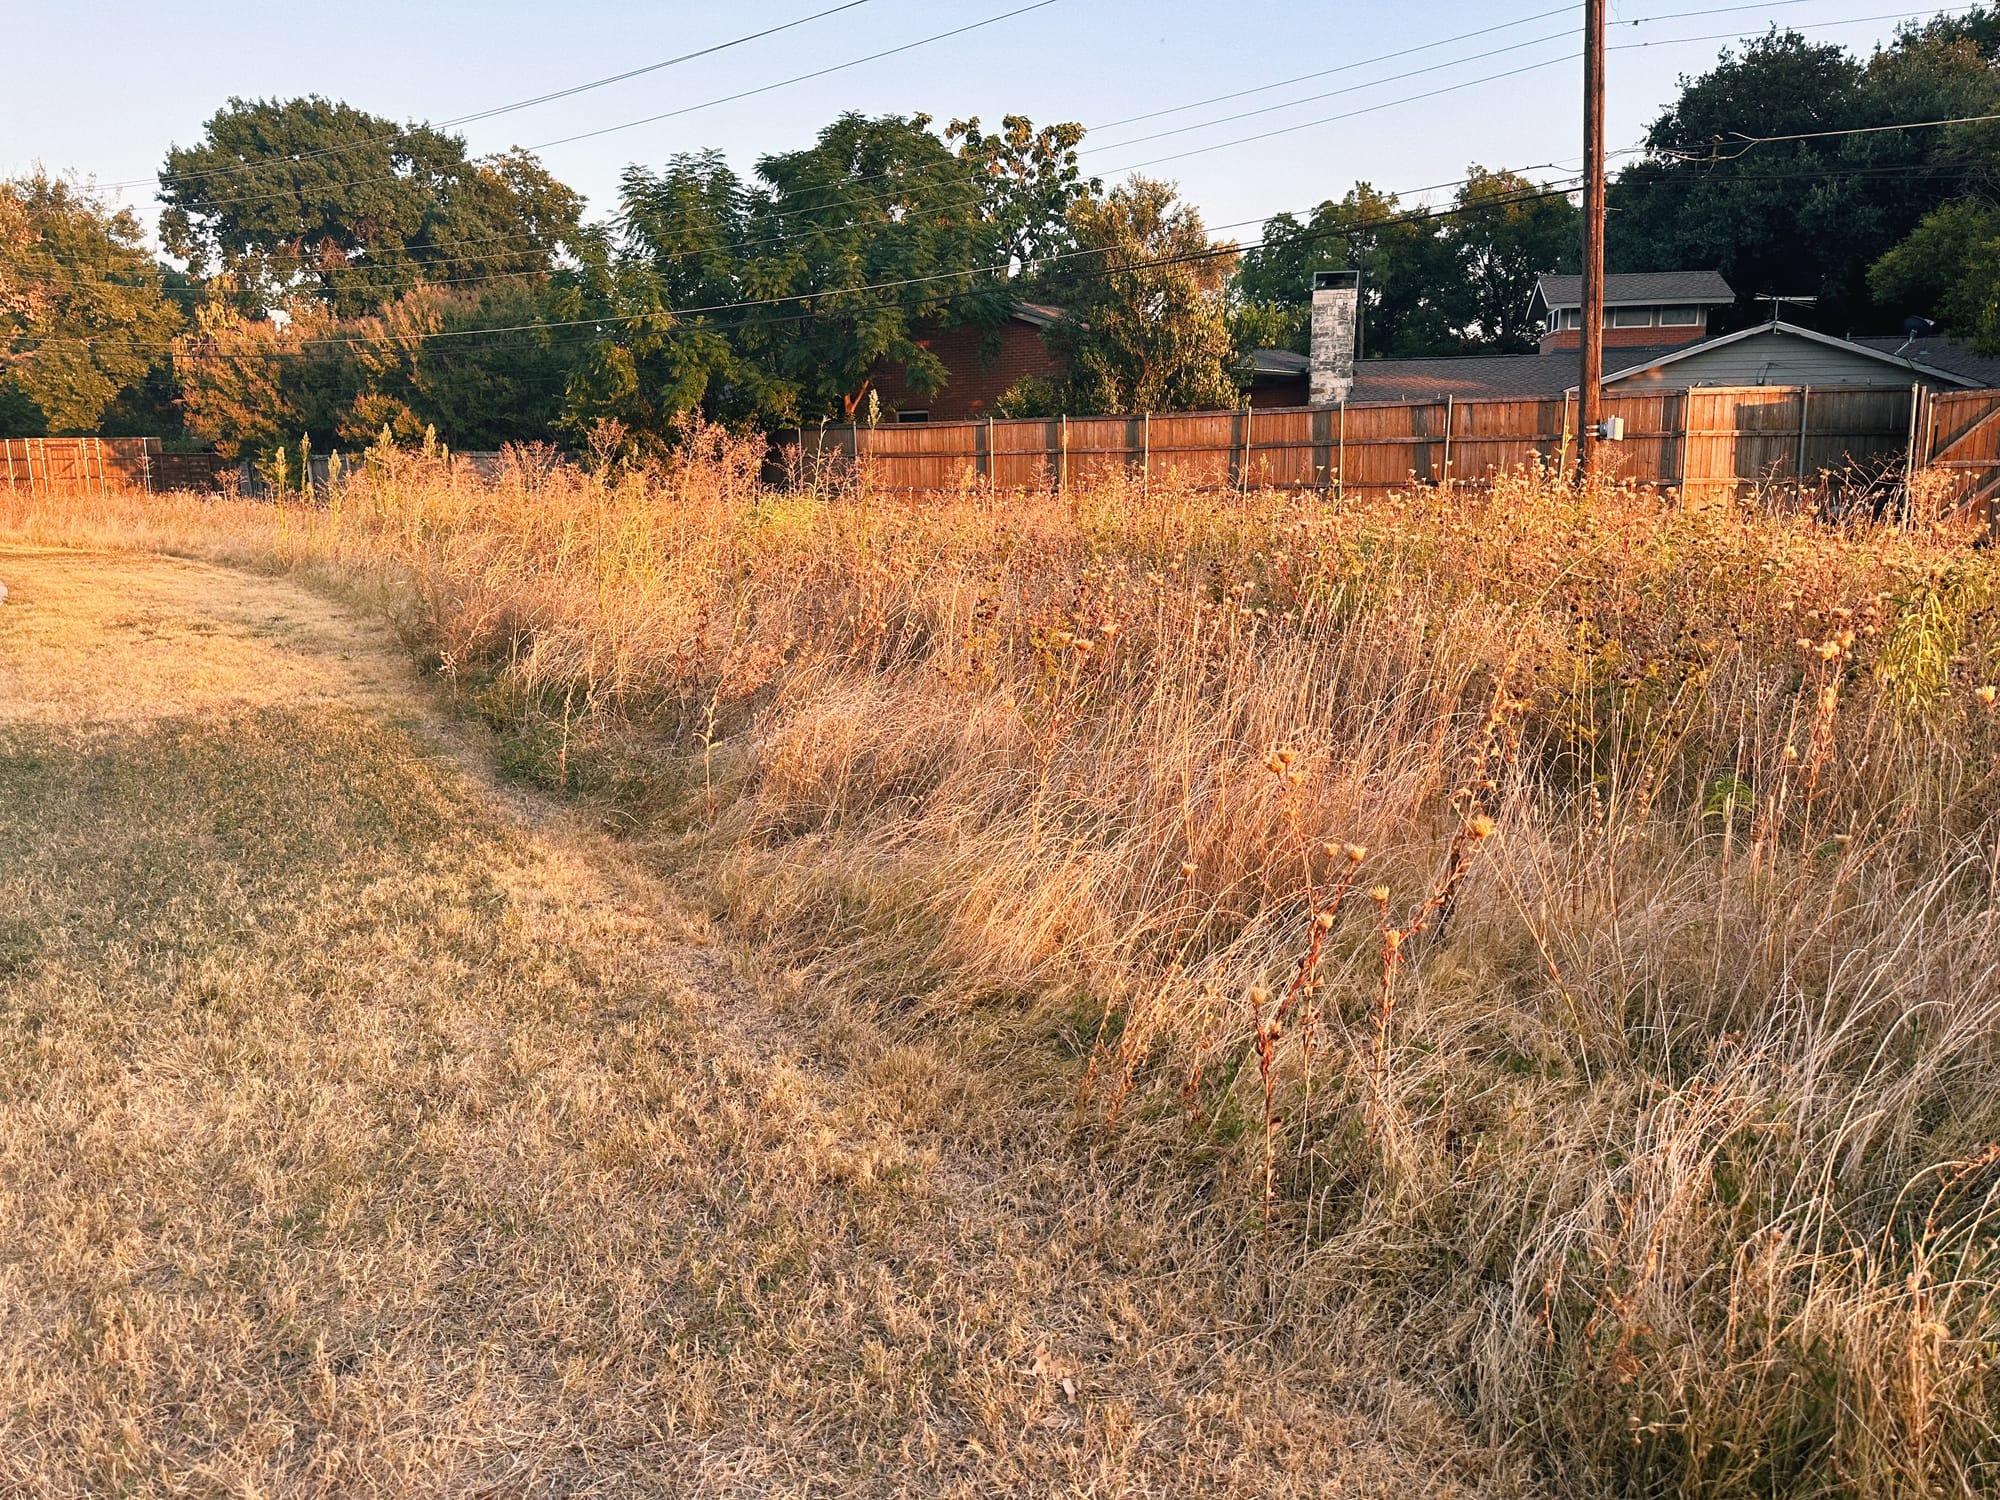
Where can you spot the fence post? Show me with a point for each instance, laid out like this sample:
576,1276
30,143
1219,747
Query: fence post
989,450
1340,455
1910,449
1681,448
1447,440
1146,455
1062,457
1799,463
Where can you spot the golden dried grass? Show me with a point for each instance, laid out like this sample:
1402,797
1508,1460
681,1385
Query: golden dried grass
1648,1111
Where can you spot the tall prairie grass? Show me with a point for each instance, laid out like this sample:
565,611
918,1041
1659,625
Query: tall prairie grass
1559,927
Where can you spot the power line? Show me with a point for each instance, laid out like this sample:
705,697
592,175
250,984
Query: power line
792,212
1007,15
1426,47
967,277
688,109
1304,125
501,109
1266,135
1748,141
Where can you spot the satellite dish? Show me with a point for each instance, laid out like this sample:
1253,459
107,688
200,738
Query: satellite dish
1916,328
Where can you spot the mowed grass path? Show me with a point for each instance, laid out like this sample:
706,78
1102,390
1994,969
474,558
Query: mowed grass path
370,1128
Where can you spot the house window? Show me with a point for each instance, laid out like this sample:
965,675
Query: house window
1680,317
913,416
1628,317
1564,317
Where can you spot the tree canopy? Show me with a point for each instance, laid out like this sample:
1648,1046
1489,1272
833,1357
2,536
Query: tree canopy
941,226
1809,217
313,198
1145,324
1451,280
85,313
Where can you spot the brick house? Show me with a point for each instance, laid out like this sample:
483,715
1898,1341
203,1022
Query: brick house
1642,310
981,364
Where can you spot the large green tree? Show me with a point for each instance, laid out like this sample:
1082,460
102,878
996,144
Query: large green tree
940,226
1407,281
85,312
1145,323
1445,281
1503,232
312,197
1808,217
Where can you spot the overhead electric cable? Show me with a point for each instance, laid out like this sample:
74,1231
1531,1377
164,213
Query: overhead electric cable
688,109
966,276
501,109
1266,135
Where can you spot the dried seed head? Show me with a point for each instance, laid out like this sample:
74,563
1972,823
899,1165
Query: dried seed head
1985,694
1323,921
1791,752
1187,868
1355,853
1379,895
1479,826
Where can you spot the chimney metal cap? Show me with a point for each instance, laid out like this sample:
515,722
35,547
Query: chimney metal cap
1336,281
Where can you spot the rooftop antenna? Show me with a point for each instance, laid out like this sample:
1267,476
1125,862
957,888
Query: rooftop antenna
1778,303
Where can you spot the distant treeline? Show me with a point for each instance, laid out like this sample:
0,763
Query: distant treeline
346,275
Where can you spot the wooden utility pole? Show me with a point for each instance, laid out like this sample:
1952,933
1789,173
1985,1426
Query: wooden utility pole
1590,378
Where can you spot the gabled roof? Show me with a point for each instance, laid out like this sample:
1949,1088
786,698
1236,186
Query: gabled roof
1634,289
1853,346
1468,375
1940,353
1040,314
1528,376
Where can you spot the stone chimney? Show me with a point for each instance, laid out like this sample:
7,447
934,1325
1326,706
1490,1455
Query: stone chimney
1336,309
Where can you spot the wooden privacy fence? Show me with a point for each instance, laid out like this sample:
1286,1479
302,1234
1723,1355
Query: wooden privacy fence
96,465
1705,441
1702,441
1960,444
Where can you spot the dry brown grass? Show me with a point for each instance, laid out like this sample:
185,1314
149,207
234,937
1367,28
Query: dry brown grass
366,1129
1652,1131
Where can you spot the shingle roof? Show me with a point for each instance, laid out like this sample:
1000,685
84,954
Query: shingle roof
1940,353
1038,313
1636,287
1466,375
1277,362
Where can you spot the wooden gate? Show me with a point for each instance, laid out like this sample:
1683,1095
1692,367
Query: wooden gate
1962,443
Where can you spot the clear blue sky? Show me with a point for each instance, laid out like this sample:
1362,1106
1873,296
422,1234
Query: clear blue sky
101,87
